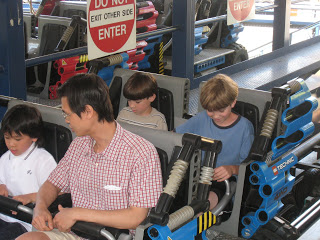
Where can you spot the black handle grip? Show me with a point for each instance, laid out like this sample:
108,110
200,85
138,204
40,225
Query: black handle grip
94,229
82,228
9,203
87,228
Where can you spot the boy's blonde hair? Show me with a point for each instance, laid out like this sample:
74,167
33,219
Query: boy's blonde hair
218,93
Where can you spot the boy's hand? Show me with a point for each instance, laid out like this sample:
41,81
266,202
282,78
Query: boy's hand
4,190
25,199
224,172
64,219
42,219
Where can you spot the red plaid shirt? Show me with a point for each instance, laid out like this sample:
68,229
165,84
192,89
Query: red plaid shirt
127,173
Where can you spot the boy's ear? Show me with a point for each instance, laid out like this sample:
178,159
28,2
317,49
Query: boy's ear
34,139
152,98
234,103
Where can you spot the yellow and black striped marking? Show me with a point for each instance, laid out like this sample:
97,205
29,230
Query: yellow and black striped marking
161,66
83,58
205,221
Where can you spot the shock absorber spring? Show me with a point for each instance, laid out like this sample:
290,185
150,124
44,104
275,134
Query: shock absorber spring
67,34
115,59
269,123
176,175
179,217
294,86
206,175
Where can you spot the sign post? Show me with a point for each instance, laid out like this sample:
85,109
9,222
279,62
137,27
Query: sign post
240,10
111,27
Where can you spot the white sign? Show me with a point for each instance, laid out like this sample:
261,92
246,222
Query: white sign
240,10
111,27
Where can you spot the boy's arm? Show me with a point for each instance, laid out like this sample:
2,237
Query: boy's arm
3,190
26,198
224,172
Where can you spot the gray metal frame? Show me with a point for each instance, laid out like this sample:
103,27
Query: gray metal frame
275,68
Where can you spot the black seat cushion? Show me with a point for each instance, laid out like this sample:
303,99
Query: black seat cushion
164,164
249,111
115,95
57,139
164,104
3,147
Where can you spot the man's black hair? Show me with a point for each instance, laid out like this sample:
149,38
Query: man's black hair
88,89
24,119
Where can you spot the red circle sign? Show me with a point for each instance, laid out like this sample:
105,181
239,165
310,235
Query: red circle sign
240,9
111,23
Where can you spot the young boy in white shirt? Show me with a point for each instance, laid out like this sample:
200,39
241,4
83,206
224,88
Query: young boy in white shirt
140,90
25,166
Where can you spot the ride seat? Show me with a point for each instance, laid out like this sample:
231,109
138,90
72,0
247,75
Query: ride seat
115,92
250,112
57,140
164,104
3,147
179,86
50,37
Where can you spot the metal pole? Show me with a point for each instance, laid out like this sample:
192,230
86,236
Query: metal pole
183,39
304,220
281,24
12,53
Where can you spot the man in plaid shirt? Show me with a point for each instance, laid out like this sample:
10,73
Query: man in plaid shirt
114,176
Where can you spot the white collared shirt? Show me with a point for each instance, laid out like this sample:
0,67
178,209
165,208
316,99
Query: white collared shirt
25,173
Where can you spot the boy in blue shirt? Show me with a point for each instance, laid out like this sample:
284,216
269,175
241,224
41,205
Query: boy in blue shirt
218,96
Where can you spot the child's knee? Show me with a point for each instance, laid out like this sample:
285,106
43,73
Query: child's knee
33,236
213,199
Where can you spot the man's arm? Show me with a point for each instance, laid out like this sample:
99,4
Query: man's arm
128,218
42,219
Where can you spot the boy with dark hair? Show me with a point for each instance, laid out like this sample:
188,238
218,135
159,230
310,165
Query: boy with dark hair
25,166
113,175
218,96
140,90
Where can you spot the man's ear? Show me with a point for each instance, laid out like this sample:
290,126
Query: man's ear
88,111
152,98
34,139
234,103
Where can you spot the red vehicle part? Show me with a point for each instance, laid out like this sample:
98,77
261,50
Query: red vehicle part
68,67
49,6
146,18
136,55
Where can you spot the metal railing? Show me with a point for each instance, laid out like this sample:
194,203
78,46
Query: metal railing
83,50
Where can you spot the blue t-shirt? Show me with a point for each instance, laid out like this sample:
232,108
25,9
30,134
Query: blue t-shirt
236,139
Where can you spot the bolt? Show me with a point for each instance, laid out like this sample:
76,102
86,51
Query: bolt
154,232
